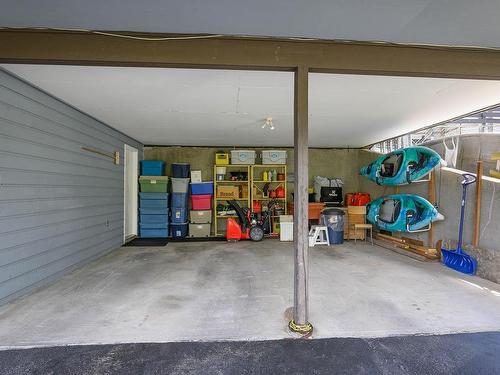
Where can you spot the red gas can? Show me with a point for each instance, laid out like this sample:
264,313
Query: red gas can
360,199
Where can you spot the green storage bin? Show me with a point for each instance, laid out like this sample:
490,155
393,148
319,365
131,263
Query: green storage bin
153,184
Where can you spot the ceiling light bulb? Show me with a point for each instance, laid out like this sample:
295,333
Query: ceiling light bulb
272,126
264,125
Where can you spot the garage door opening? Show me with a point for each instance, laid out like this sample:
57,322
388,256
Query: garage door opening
131,170
214,290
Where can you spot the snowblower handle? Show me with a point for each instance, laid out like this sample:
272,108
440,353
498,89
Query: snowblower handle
468,179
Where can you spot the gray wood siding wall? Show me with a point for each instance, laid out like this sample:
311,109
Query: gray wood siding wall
60,206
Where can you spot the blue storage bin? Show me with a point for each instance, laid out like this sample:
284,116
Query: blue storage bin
153,211
152,167
153,195
178,215
153,203
153,233
181,170
202,188
179,200
179,230
153,219
153,226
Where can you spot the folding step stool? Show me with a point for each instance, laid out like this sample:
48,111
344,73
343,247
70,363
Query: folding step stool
318,235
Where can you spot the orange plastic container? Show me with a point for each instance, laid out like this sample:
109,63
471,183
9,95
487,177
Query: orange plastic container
313,212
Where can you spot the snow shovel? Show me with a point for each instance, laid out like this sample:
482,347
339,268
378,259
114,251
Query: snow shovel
458,259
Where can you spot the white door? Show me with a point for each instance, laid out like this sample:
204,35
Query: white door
131,167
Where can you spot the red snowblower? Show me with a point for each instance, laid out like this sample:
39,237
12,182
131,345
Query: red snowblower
250,226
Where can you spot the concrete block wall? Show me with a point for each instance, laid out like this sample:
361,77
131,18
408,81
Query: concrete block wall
60,206
341,163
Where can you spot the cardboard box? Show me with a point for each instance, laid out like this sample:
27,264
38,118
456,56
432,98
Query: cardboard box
244,191
196,176
349,221
228,191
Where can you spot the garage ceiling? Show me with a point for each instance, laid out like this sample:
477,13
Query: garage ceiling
193,107
457,22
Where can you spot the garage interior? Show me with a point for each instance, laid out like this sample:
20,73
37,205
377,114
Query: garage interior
146,147
68,281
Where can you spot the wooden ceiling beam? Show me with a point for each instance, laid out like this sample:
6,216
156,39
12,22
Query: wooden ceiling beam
87,48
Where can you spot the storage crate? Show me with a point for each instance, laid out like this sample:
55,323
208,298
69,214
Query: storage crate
178,215
153,203
180,185
153,225
221,158
152,167
180,170
153,219
200,217
228,191
199,230
153,184
179,200
273,157
202,188
153,211
201,202
179,230
243,157
153,196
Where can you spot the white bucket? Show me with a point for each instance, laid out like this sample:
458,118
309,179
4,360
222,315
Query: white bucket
220,170
220,173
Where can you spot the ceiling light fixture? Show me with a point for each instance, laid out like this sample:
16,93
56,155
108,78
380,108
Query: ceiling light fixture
268,123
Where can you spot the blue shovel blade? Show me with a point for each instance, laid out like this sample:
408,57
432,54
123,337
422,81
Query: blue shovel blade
459,261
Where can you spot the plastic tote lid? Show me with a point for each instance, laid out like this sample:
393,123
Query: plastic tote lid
275,155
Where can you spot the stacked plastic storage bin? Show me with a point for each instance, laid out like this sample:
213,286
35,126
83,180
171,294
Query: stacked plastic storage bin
201,213
180,200
153,200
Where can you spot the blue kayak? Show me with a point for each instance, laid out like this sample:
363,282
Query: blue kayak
402,213
403,166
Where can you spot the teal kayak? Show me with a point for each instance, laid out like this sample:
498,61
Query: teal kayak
402,166
402,213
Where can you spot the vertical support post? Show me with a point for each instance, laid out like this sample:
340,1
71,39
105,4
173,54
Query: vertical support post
477,212
300,322
432,200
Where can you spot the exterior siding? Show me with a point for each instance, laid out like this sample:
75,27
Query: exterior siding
60,206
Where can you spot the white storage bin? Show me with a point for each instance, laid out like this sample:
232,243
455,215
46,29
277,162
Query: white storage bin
201,217
243,157
199,230
273,157
286,228
180,185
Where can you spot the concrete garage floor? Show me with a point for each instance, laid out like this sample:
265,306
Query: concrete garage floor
220,291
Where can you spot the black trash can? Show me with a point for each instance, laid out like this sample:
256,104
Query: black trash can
333,219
